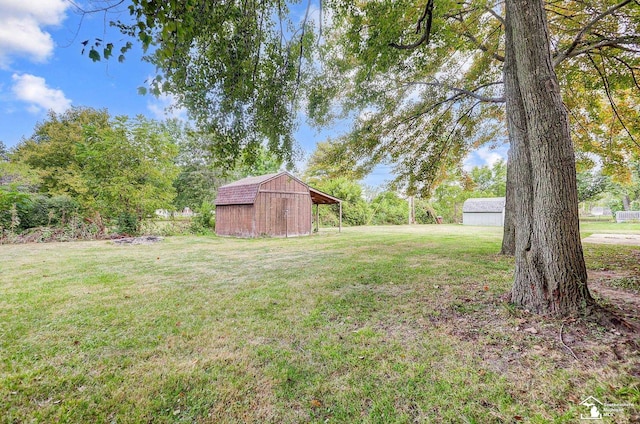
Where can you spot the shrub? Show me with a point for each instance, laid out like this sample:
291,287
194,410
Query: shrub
47,211
389,208
12,203
204,220
127,223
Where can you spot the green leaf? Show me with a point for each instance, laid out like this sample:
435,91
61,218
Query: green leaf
142,91
108,51
94,55
126,47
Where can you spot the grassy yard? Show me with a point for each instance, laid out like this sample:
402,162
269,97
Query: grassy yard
373,325
588,228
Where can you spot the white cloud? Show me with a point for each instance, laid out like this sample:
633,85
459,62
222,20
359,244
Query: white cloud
485,156
489,156
33,90
21,32
165,107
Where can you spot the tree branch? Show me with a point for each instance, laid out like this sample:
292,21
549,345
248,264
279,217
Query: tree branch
482,47
631,70
495,15
468,93
605,83
608,42
460,18
587,27
427,14
300,54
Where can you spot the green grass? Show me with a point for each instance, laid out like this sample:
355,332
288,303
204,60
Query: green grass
373,325
587,228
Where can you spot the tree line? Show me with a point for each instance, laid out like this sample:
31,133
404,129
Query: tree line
90,173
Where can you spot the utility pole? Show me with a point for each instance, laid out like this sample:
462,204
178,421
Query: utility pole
412,210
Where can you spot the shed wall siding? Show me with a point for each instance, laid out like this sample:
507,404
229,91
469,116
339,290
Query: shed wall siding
283,208
235,220
283,214
490,219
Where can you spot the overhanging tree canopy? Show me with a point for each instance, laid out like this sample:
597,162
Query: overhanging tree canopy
426,105
235,66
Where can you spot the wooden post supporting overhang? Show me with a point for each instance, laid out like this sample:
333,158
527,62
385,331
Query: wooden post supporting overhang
319,198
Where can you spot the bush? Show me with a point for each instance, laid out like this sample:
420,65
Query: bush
205,219
127,223
47,211
166,227
389,208
12,205
425,214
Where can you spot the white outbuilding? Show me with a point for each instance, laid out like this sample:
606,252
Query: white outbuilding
487,211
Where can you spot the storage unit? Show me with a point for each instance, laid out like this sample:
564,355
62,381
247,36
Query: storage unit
277,205
487,211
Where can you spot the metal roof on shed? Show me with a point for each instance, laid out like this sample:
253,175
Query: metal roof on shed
484,204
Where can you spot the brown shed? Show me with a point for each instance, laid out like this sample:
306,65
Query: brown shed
275,205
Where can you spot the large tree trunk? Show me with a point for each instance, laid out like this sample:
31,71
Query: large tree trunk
509,226
550,274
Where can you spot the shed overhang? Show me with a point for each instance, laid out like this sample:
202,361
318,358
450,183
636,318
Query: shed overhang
320,198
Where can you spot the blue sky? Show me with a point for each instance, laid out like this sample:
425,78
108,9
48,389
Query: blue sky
41,69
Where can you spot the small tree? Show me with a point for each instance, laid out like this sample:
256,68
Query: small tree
205,219
52,150
355,211
128,168
389,208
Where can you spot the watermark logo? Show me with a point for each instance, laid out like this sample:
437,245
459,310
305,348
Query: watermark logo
596,410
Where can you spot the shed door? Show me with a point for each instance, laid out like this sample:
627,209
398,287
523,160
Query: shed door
282,216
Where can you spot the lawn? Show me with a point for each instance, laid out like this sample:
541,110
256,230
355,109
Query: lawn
588,228
374,325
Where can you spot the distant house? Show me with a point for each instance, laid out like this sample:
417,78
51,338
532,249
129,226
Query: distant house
164,213
278,205
487,211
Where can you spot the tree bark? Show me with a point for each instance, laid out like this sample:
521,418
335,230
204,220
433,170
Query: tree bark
509,226
550,272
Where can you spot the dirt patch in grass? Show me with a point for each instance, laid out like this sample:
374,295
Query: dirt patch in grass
622,289
138,240
520,347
